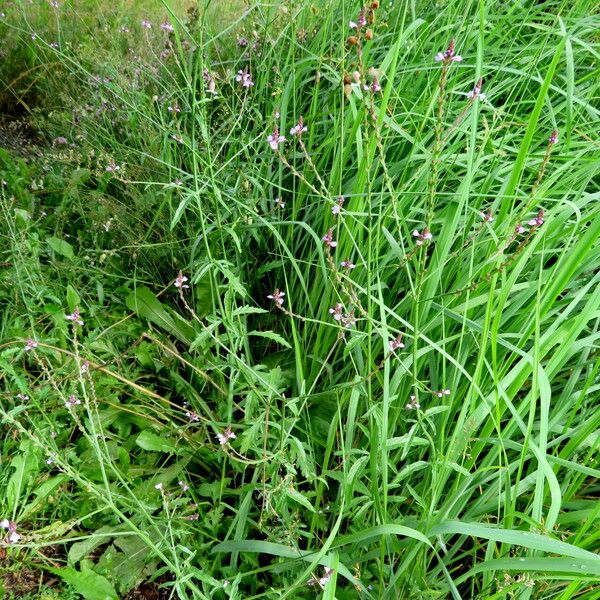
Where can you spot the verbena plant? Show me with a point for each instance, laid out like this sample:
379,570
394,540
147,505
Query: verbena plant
303,299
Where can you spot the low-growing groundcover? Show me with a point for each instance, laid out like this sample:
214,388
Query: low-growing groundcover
300,299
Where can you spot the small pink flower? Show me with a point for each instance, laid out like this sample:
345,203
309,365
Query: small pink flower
244,78
349,320
112,166
537,221
146,24
72,401
553,139
192,416
13,537
337,311
174,108
226,436
124,29
23,397
277,297
476,91
376,87
444,392
328,239
242,42
413,404
180,281
396,343
299,129
166,26
323,580
30,344
449,55
520,229
85,367
184,486
75,317
60,141
423,236
488,217
54,4
337,207
275,139
348,264
362,19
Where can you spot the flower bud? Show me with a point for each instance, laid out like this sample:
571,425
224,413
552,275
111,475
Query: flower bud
352,40
369,34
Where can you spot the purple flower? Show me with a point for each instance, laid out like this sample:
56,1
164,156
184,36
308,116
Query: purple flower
449,55
192,416
277,297
30,344
321,581
537,221
337,207
488,217
180,281
54,4
85,367
396,343
362,19
226,436
376,87
553,139
146,24
444,392
299,129
328,239
184,486
210,81
75,317
279,203
244,78
23,397
111,167
337,311
13,537
424,236
72,401
520,229
124,29
476,91
349,320
166,26
242,42
348,264
413,404
174,108
275,139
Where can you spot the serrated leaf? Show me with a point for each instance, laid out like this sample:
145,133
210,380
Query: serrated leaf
86,582
271,336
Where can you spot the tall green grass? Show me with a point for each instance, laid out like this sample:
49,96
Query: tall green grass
347,455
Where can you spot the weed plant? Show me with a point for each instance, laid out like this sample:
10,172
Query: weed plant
301,299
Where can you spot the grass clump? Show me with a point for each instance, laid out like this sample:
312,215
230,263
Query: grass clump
301,299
